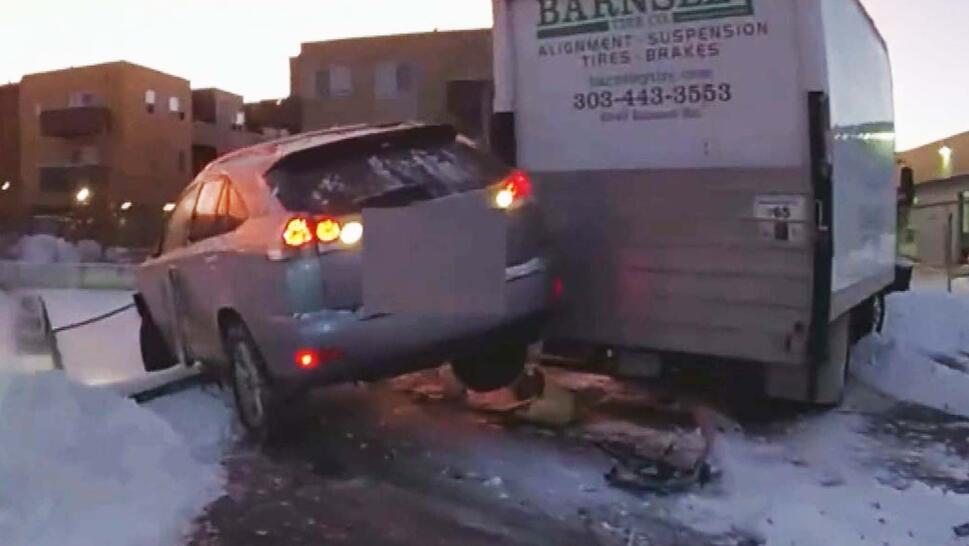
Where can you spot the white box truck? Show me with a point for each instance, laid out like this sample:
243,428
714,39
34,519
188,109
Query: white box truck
718,175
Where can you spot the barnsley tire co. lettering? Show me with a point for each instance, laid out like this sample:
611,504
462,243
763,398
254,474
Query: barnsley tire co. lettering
640,45
570,17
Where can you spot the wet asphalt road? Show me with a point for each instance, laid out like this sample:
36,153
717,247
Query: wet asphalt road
380,468
376,466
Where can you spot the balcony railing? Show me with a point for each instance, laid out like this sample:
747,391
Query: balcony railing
75,121
66,179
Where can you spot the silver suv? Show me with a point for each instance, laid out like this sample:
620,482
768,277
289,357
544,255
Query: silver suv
265,271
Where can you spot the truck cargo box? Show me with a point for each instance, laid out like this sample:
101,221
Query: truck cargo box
718,175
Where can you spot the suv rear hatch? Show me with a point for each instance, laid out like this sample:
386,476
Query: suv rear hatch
396,168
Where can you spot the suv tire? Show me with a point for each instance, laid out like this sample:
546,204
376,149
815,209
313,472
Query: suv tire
492,368
256,402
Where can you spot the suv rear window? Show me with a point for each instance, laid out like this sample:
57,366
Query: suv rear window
329,180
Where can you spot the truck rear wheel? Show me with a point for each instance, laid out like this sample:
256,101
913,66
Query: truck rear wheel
493,368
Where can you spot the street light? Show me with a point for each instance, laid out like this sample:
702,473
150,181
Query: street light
5,186
946,153
83,196
169,207
126,205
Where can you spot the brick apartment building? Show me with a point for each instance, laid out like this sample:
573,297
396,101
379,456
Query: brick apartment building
98,137
436,77
110,145
940,159
113,143
218,126
10,180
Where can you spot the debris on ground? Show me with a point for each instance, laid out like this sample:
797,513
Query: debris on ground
555,407
665,455
651,459
962,531
430,385
531,399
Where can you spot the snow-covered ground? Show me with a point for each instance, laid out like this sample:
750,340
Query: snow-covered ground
80,464
821,485
922,355
825,480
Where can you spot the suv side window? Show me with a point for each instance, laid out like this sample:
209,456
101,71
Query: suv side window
176,233
232,209
205,220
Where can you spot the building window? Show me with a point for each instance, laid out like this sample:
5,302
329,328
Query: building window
405,78
240,121
334,81
174,105
85,155
81,98
150,101
393,80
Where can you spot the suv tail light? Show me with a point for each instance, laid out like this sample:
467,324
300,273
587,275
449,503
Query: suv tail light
514,189
327,230
297,233
302,231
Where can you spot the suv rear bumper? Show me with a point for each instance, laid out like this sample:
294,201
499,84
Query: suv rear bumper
374,347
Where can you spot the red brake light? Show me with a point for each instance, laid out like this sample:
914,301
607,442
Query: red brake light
307,359
303,231
297,232
328,230
310,359
516,187
520,185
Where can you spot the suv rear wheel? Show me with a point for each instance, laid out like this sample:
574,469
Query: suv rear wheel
255,400
493,368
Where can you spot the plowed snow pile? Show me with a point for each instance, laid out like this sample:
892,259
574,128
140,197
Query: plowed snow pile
82,465
922,355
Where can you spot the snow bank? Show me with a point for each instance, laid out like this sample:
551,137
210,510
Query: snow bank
47,249
814,488
82,466
923,354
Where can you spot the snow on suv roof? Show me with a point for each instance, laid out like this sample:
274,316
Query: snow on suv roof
282,147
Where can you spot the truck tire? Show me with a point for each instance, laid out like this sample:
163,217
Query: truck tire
256,403
493,368
155,353
879,314
868,318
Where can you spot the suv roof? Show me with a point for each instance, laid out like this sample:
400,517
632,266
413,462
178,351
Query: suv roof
246,167
285,146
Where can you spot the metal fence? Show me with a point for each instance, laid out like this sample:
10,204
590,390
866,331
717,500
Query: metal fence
104,276
934,235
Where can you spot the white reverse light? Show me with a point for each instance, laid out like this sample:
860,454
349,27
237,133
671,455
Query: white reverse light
351,233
